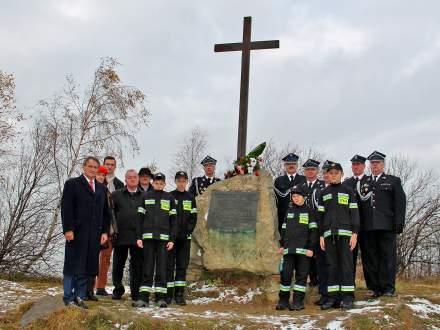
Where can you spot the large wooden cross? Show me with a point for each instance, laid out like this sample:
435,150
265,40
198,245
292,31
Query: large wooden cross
245,47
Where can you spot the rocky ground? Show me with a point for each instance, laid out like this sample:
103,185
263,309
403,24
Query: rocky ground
215,305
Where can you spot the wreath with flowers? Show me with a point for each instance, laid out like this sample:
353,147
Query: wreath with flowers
252,163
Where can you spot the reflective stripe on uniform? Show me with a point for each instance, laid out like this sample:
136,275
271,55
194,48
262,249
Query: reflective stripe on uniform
146,289
173,212
301,251
164,237
189,237
347,288
284,226
333,288
141,210
150,202
353,205
285,288
170,284
298,287
147,236
160,289
289,215
327,233
313,225
343,232
343,198
326,197
180,283
304,218
321,208
194,210
286,251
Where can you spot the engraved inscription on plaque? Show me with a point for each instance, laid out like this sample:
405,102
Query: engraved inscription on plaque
233,211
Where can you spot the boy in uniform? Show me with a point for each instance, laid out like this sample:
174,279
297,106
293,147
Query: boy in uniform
299,234
156,234
178,257
338,228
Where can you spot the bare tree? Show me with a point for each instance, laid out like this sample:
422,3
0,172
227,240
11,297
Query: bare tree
8,113
418,248
272,156
104,119
190,152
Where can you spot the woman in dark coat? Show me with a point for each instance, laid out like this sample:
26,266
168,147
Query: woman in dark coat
85,216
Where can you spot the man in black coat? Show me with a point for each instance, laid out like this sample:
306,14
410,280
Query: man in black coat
201,183
383,205
283,184
355,182
125,204
85,218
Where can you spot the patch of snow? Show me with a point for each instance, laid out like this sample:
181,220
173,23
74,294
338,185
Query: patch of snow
334,325
423,307
367,303
205,288
369,309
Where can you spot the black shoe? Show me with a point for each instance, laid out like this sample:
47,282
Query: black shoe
162,304
282,305
296,306
180,300
375,294
70,304
389,294
91,296
321,301
168,300
102,292
80,303
330,303
347,304
140,303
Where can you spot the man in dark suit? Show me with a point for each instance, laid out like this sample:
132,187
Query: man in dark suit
355,182
283,184
383,204
85,218
201,183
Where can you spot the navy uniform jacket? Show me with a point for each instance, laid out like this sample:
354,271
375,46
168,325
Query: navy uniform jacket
352,183
87,214
312,197
200,184
282,184
385,208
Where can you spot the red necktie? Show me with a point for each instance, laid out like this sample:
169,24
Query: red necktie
91,185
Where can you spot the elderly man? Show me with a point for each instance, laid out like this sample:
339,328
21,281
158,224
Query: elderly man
85,218
201,183
383,206
125,205
283,184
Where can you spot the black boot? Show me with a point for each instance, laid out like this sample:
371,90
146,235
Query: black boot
169,297
347,302
283,302
298,301
91,295
179,296
330,303
321,301
143,301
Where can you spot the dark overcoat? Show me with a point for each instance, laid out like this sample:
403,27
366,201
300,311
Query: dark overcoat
87,213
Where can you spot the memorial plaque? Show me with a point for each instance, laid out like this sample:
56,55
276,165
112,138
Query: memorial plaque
233,211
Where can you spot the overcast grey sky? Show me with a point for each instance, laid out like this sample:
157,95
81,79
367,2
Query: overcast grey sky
350,76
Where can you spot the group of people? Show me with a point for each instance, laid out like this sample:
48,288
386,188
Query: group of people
322,223
102,216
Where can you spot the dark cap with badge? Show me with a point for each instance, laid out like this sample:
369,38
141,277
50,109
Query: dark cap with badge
326,165
208,160
376,155
290,158
334,166
297,189
181,174
311,163
159,176
358,159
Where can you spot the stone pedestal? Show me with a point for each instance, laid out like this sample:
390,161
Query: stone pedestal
222,246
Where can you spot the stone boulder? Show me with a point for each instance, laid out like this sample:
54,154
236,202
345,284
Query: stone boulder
238,252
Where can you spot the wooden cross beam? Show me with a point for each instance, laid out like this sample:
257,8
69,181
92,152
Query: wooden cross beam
245,47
